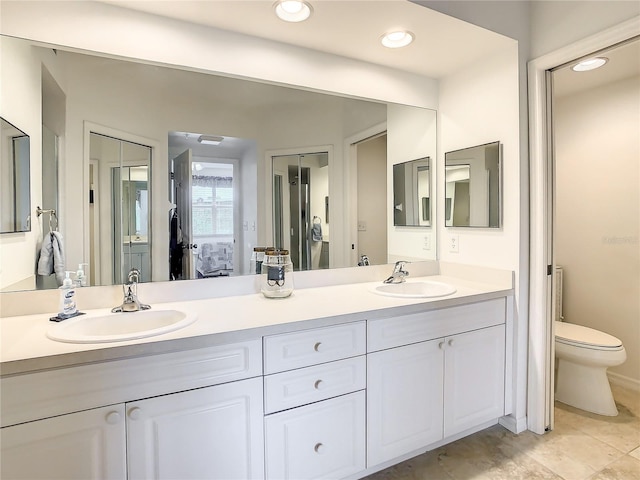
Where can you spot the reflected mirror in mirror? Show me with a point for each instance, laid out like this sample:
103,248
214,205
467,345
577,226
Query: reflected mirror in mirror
151,102
15,184
412,193
473,195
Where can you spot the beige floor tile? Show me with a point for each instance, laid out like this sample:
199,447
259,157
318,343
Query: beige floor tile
626,468
636,453
621,432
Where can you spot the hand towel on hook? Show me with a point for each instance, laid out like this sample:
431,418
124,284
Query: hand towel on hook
51,258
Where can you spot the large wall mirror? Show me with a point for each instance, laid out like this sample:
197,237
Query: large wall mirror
170,111
473,195
15,183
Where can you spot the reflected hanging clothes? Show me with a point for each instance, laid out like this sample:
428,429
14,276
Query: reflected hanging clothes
175,247
51,257
316,229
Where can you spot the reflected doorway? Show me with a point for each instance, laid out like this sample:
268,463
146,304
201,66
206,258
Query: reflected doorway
301,208
120,209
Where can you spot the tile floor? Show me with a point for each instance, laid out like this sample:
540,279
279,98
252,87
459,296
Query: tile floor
582,446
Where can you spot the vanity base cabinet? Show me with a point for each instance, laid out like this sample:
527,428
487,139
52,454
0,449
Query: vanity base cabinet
404,400
324,440
214,433
425,392
78,446
474,378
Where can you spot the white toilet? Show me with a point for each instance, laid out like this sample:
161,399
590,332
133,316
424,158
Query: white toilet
583,355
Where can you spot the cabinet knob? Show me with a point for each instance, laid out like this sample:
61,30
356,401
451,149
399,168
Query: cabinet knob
319,448
441,345
113,418
316,347
318,384
134,413
451,342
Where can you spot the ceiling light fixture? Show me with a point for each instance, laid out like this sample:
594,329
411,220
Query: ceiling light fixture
210,140
590,64
293,10
397,39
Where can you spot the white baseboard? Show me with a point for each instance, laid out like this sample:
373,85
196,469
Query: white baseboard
513,424
623,381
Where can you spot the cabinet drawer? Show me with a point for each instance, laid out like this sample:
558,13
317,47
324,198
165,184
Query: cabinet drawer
55,392
311,347
419,327
311,384
325,440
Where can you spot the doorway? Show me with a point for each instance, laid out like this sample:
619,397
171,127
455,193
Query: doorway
541,298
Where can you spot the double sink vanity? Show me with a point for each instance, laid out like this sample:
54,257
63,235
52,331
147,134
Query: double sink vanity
333,382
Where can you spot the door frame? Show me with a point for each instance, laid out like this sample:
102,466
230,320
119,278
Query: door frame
350,185
541,344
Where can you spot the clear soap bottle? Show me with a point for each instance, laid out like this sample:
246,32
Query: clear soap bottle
67,297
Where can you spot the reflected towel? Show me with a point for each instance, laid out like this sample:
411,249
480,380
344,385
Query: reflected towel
51,258
316,232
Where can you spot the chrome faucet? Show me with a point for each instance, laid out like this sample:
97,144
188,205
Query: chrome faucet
130,289
364,261
399,273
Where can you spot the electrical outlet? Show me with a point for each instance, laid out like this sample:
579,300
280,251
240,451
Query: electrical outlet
426,243
362,226
454,243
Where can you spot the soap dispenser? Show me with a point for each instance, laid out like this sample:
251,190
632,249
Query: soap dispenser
81,277
67,300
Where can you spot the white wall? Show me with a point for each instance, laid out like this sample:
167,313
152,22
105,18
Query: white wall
21,106
597,150
410,136
560,23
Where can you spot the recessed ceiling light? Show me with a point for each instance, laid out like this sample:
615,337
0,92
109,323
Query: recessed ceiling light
590,64
293,10
397,39
210,140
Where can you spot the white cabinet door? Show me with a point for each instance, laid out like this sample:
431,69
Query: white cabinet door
83,446
324,440
474,378
404,400
211,433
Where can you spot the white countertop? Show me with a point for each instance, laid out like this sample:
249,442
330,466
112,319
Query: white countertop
24,346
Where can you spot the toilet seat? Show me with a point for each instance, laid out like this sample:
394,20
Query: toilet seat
585,337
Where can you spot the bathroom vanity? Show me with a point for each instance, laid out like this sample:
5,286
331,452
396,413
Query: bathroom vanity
334,382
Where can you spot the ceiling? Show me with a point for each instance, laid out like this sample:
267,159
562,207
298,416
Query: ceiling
347,28
624,62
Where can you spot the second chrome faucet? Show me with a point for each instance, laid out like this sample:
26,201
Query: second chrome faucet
399,273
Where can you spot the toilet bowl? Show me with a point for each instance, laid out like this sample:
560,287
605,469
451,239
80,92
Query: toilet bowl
583,355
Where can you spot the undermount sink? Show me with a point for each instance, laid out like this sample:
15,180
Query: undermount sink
421,289
118,327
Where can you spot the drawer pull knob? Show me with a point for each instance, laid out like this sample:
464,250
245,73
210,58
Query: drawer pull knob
318,384
441,345
319,448
134,413
113,418
316,347
451,342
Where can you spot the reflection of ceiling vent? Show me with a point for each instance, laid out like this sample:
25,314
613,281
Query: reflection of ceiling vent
210,140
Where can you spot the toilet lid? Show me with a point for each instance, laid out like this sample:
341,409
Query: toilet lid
577,334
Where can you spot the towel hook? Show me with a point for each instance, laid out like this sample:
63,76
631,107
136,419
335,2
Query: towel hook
52,217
